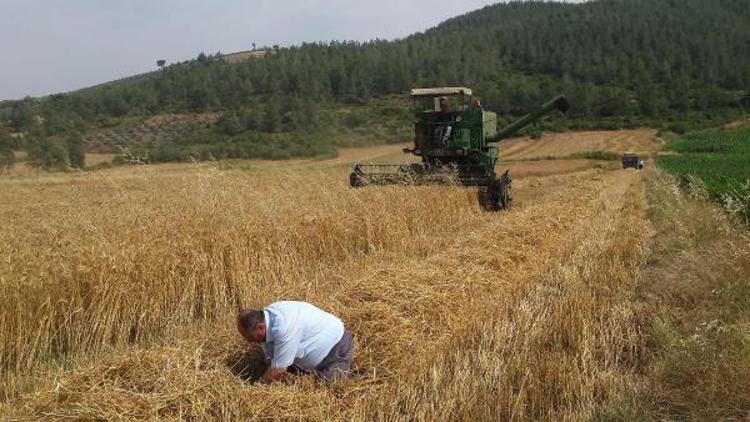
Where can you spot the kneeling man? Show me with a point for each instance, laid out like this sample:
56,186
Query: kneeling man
300,336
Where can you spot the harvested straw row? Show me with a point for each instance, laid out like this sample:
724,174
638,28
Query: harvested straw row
561,346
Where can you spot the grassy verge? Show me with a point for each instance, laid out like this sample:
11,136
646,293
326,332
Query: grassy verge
696,316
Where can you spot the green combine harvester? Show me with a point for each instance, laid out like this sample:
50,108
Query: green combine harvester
458,142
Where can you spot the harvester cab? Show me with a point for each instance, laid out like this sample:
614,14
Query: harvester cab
458,142
443,122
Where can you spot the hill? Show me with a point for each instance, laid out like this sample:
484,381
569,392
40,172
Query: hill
623,63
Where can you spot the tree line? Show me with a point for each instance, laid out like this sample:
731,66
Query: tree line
638,57
620,61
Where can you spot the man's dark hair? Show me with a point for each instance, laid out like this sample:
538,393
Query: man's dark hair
250,318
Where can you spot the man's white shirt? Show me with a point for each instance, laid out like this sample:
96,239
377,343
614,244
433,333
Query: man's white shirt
299,333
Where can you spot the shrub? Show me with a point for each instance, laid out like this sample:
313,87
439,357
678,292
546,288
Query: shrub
47,153
76,150
677,127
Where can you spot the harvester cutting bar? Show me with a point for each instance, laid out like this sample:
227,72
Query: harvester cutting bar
414,174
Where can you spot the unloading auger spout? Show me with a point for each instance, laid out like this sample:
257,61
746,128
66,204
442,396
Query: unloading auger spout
559,103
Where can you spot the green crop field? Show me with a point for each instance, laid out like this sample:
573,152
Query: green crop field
721,160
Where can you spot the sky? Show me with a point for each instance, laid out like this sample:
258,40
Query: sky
51,46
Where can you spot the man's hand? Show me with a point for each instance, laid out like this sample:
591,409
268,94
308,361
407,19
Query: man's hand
272,374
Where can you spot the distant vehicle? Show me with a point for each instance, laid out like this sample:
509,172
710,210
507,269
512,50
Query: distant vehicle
630,159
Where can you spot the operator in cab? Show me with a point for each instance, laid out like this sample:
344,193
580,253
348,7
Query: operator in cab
444,114
299,337
445,119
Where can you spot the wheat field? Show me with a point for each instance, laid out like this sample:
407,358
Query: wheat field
119,290
641,141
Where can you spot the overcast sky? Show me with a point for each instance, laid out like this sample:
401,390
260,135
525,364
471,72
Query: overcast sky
51,46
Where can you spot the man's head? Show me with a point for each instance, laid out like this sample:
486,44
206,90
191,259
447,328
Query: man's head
444,104
252,325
